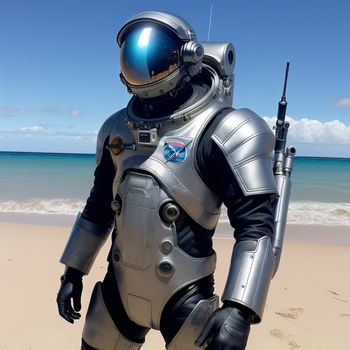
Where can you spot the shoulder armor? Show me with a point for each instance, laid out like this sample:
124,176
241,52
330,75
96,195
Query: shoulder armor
105,131
247,143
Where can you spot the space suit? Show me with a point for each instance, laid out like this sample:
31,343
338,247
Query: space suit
164,166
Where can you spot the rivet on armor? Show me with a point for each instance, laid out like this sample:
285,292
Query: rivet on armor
116,256
166,268
166,247
115,205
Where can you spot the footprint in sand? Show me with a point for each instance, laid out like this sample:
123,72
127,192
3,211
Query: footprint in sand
337,295
277,333
293,345
292,313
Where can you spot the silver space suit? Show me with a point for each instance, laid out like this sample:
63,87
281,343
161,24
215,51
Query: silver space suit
165,165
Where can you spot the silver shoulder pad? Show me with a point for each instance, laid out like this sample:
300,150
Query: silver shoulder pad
250,274
84,244
105,132
247,143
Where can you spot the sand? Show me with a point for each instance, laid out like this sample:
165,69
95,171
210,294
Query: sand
308,306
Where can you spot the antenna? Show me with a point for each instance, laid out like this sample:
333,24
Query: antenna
209,25
281,128
282,104
285,82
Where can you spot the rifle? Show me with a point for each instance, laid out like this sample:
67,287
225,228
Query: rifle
282,169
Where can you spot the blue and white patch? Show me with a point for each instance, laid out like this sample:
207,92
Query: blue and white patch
175,151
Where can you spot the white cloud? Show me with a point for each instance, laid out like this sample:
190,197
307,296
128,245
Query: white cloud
32,129
51,109
14,110
11,111
313,131
75,112
39,131
344,102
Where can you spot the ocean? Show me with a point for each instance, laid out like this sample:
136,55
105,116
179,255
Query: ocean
53,184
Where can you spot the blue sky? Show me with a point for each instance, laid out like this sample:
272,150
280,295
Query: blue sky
59,67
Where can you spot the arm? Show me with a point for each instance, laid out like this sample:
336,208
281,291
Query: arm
89,233
93,226
240,152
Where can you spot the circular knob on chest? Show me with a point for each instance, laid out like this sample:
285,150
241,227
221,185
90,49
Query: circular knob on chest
170,212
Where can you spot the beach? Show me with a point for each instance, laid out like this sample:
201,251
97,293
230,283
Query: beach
308,305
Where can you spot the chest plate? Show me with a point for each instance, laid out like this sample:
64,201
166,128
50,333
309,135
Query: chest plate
172,161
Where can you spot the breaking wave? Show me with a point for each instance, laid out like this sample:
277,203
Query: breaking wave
309,213
43,206
314,213
303,212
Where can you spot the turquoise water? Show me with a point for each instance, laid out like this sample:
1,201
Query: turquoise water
26,176
321,179
60,183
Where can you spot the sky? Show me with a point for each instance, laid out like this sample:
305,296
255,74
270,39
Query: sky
59,67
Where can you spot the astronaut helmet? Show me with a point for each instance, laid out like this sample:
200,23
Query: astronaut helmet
159,53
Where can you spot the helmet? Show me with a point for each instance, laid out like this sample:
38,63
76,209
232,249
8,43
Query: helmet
159,53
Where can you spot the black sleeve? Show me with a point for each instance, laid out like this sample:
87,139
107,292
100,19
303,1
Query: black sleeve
252,217
98,205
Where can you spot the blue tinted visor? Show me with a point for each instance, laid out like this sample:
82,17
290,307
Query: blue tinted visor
148,53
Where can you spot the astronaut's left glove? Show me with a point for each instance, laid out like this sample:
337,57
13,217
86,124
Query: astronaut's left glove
227,329
70,290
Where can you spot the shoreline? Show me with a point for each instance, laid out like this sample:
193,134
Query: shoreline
313,233
37,219
60,210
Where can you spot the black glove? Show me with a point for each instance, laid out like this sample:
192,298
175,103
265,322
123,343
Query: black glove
71,288
227,329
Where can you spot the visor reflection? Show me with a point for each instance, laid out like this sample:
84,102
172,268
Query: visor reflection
144,37
148,54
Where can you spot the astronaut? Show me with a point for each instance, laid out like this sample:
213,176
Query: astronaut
165,165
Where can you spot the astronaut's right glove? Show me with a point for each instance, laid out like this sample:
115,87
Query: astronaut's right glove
227,329
71,288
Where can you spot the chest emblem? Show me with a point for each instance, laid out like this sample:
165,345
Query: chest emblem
175,151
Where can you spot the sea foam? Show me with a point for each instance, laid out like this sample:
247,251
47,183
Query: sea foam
313,213
43,206
308,213
301,212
